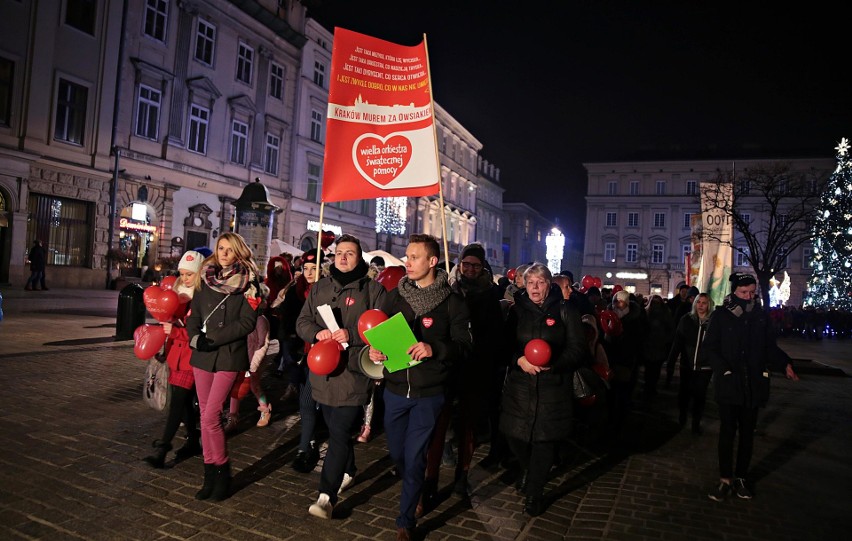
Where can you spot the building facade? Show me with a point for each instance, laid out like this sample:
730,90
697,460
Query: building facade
525,235
639,221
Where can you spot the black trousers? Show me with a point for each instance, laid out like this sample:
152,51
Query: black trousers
536,459
181,408
731,420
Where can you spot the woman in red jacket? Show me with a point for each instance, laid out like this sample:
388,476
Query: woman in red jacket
181,380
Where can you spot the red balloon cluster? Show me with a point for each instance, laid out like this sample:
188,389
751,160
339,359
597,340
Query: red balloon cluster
537,352
591,281
368,320
148,340
390,277
324,357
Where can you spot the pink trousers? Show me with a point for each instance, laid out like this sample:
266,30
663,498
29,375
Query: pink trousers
213,389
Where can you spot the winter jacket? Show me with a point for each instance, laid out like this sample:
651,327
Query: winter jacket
741,349
482,297
626,349
446,328
227,329
540,408
687,344
658,338
346,386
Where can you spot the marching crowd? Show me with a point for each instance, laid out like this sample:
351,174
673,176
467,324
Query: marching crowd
471,375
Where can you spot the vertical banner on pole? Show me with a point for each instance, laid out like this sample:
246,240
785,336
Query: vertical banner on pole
380,132
717,239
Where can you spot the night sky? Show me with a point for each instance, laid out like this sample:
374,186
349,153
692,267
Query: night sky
548,86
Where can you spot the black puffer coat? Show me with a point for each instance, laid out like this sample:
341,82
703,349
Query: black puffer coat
540,408
687,344
741,349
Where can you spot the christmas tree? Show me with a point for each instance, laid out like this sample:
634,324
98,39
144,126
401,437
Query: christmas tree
830,285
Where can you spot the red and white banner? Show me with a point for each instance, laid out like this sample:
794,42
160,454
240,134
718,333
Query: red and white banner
380,133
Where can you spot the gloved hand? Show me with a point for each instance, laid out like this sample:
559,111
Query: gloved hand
203,343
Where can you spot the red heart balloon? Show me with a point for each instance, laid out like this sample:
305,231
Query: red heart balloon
588,281
326,238
161,303
390,277
148,340
510,274
537,352
598,282
324,357
168,282
368,320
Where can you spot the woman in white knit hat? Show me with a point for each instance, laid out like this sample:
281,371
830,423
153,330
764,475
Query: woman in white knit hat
181,380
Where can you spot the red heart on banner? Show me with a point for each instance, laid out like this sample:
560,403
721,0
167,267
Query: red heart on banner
382,159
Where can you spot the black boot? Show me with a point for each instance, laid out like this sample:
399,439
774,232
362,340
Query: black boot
521,483
534,505
221,482
191,448
158,459
209,478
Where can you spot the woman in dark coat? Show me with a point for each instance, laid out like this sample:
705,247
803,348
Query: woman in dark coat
223,314
537,403
695,371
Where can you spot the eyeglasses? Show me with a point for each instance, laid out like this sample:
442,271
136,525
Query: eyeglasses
474,266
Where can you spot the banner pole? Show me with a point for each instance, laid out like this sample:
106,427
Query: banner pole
319,241
437,158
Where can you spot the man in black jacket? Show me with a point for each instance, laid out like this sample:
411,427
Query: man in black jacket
414,396
348,292
740,346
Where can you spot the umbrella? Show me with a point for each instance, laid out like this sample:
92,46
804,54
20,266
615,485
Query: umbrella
278,247
389,259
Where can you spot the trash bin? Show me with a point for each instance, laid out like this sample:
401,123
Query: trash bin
131,311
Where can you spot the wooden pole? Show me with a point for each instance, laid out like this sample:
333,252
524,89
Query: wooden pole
319,240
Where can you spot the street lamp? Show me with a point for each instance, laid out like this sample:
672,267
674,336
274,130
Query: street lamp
555,242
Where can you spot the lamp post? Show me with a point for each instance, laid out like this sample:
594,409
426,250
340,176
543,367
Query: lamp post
555,242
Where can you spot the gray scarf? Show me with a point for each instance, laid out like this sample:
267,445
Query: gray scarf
424,299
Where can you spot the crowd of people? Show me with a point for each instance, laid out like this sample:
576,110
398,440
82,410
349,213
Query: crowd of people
470,376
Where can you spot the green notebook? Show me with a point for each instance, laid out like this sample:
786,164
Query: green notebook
393,337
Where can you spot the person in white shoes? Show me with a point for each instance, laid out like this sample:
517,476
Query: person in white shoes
349,291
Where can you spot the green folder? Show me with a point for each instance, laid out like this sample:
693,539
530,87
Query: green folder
393,337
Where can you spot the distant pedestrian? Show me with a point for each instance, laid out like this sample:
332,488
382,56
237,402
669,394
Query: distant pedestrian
38,263
741,348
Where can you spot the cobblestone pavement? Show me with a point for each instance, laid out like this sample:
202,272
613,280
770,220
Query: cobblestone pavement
73,431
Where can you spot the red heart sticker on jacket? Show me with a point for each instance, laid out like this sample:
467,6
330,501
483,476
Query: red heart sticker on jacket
427,322
350,301
254,302
550,322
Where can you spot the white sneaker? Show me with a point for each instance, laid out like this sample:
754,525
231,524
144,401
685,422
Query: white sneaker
322,508
347,482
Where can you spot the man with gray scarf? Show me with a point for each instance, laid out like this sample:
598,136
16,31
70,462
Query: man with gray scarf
414,397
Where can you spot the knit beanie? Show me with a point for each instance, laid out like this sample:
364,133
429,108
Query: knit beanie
191,261
311,257
476,250
739,279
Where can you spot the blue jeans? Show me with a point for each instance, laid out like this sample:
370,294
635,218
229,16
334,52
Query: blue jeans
409,423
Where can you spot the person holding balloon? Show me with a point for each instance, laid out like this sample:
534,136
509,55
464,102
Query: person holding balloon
224,312
181,379
547,343
414,397
337,383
